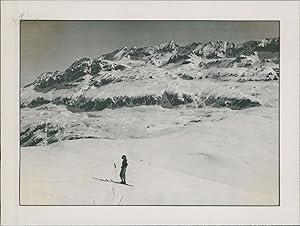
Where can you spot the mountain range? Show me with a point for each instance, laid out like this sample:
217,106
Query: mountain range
217,74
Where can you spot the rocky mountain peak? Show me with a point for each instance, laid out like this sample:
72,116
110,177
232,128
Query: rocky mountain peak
167,55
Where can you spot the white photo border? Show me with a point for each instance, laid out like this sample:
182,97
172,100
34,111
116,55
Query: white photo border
12,12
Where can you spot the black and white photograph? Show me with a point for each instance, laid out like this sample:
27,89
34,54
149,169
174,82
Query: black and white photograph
144,112
150,112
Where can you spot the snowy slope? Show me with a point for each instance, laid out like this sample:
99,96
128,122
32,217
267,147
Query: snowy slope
229,159
51,123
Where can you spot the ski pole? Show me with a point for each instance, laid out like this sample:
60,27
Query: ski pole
115,171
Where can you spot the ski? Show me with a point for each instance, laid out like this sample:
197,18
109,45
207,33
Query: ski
121,183
112,181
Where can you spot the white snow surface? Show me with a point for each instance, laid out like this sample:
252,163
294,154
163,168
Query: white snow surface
220,157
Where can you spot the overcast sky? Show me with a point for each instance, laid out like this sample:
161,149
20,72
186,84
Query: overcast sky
54,45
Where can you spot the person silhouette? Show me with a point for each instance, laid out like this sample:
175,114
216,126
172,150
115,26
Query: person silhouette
123,170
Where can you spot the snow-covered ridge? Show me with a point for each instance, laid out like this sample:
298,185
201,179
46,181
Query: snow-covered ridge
221,60
220,74
160,55
218,49
168,98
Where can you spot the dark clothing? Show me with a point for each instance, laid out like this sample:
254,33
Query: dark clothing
123,171
124,163
123,175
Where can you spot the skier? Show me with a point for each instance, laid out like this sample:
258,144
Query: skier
123,169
